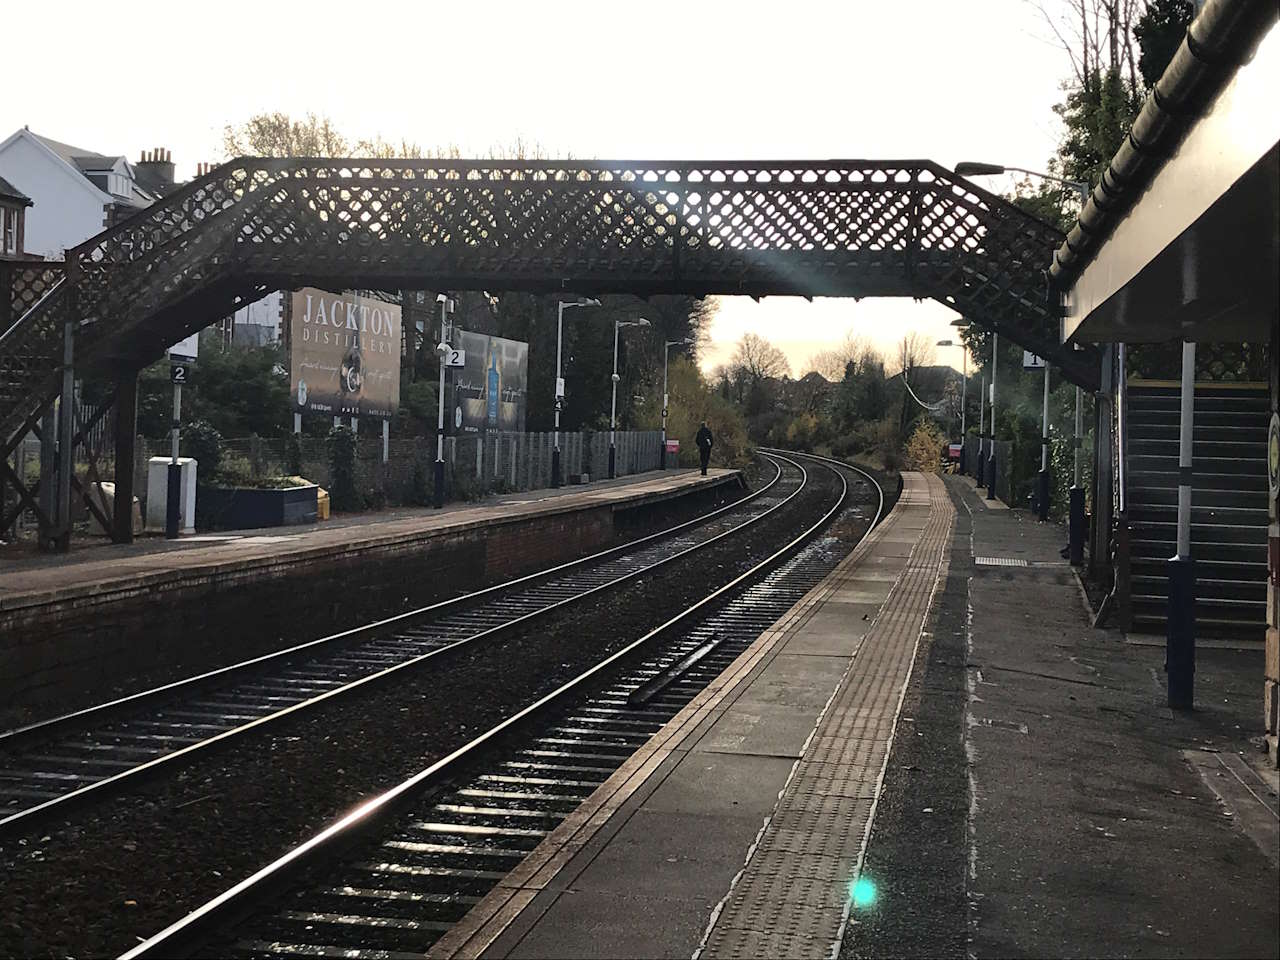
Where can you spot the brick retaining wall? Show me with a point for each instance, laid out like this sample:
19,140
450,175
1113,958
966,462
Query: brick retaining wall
202,617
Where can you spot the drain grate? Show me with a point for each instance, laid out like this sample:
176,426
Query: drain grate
999,562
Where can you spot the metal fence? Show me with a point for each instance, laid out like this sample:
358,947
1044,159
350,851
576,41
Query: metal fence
1004,460
475,465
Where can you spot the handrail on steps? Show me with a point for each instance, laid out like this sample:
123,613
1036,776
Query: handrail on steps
32,309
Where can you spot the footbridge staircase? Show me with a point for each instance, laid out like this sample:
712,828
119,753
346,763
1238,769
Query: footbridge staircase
1229,504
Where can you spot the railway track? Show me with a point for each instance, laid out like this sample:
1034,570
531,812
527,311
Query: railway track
47,767
391,877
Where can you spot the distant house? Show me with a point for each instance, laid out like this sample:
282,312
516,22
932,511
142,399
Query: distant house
13,215
75,192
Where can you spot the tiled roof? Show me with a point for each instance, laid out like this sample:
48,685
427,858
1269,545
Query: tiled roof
9,192
78,157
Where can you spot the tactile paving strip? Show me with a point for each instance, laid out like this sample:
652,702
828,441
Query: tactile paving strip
791,899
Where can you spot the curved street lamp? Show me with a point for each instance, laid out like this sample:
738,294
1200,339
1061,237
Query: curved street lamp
971,168
442,350
558,399
974,169
964,384
613,407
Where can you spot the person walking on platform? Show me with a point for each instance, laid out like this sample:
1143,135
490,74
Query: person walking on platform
705,442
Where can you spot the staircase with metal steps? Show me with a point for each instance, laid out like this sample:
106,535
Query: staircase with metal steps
1229,505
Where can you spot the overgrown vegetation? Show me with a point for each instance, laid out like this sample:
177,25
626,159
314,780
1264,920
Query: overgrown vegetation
344,493
924,449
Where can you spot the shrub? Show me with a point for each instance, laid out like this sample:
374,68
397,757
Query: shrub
802,431
343,492
293,454
924,449
891,457
202,441
588,438
845,446
419,485
467,488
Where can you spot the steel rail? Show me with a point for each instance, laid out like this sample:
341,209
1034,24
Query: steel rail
184,934
839,463
98,788
131,701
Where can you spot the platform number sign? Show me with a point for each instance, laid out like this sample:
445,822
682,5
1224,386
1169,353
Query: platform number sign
1031,361
455,358
179,371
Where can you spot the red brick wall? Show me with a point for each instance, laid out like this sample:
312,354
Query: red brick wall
514,549
198,621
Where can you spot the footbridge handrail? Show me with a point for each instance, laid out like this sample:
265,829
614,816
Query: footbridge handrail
811,228
833,227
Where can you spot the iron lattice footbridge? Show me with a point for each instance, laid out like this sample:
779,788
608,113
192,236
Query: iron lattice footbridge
827,228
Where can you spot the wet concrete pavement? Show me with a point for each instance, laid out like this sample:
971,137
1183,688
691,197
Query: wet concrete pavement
1050,804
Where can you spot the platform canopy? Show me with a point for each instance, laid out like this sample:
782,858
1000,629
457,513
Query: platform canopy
1181,240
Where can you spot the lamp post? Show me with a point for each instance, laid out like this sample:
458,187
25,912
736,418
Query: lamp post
442,351
964,385
1042,481
991,460
1075,516
558,398
971,168
613,404
666,350
981,472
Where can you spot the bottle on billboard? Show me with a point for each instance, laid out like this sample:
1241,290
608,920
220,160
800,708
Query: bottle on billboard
493,387
351,377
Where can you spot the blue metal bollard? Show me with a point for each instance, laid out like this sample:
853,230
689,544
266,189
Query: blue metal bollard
1076,527
1180,647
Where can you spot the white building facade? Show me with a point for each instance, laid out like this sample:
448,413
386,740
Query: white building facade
74,191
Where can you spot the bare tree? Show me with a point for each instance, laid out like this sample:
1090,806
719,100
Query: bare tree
759,359
915,350
279,135
1097,35
833,363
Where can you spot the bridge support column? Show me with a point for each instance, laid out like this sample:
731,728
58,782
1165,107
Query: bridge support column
126,453
1042,480
1075,515
1103,470
48,472
1180,649
991,460
66,440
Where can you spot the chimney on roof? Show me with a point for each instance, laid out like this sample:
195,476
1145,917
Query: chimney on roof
156,166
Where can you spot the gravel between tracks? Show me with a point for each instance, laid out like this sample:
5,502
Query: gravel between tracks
246,644
122,870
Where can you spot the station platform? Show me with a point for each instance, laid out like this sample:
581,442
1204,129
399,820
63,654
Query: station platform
69,615
938,718
752,807
29,578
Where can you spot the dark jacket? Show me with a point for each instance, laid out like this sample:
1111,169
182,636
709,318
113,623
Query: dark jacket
703,439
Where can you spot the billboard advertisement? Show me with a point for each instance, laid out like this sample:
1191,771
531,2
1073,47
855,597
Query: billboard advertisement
490,391
344,354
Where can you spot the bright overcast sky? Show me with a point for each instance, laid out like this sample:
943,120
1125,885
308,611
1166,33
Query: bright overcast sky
945,80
